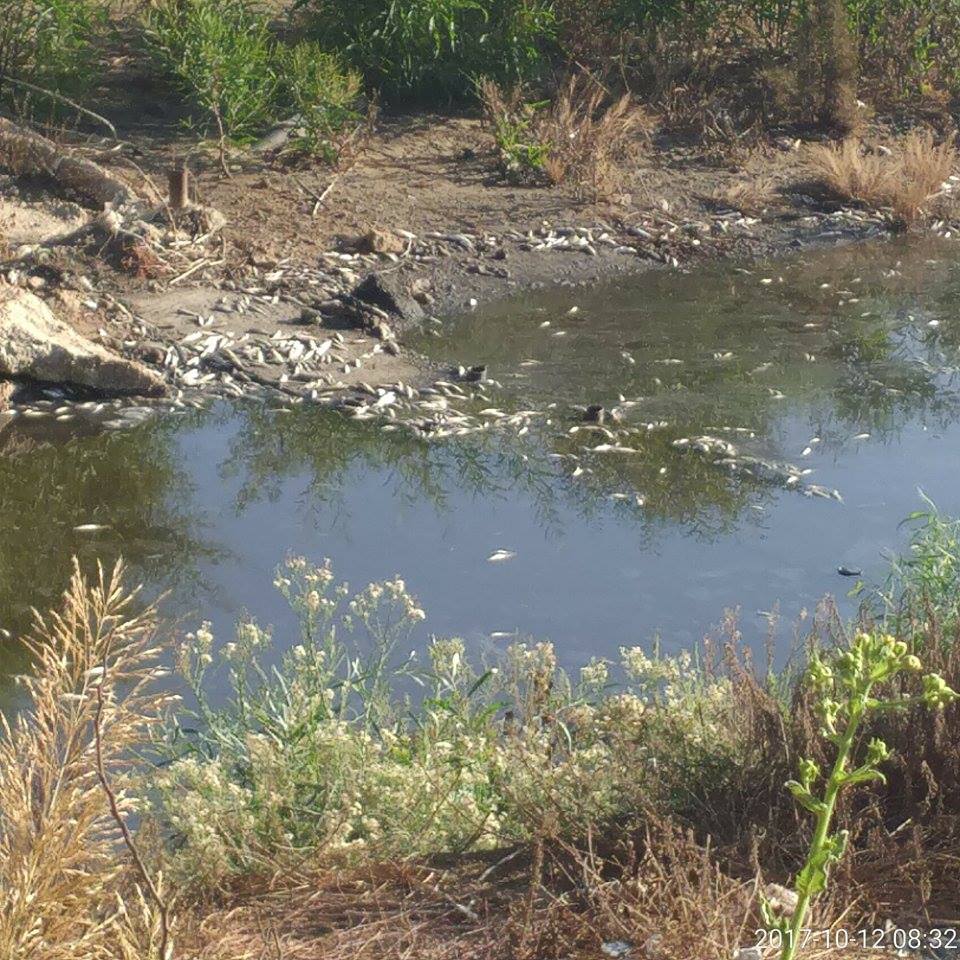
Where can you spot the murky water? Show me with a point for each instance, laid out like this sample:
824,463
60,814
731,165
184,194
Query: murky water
844,364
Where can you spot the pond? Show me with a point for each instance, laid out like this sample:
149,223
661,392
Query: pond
842,363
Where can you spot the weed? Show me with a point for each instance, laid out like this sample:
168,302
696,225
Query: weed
49,43
89,697
511,119
846,696
432,48
321,759
323,97
221,54
905,180
580,137
925,580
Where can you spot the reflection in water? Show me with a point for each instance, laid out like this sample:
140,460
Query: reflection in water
847,367
131,484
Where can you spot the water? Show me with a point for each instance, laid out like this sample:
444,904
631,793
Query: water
204,506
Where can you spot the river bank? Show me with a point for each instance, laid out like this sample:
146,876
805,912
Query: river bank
305,289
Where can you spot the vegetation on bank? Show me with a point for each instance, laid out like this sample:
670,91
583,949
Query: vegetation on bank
515,809
571,89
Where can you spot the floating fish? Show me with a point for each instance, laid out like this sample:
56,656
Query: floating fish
91,527
498,556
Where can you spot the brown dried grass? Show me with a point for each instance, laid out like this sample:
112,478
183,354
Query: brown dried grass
67,892
906,181
589,140
592,141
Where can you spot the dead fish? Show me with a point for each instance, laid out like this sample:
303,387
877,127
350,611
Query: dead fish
498,556
611,448
91,527
848,572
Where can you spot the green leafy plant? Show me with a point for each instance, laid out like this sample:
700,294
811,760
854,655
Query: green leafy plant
222,55
49,43
511,118
432,48
845,686
322,94
927,576
348,750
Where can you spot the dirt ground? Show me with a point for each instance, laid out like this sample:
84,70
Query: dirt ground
431,182
432,172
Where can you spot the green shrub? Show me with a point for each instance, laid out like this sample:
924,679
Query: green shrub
434,47
323,758
221,54
322,95
48,43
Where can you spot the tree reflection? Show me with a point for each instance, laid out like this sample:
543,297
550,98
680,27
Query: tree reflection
131,483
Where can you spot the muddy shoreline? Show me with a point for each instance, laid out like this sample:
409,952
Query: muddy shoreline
324,316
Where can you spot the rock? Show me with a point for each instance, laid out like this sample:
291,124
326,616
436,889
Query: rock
151,352
36,345
380,241
389,292
382,330
420,291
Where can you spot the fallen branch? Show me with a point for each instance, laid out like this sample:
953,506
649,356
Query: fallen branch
6,78
25,152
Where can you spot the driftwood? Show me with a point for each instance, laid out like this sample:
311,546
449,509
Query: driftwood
24,152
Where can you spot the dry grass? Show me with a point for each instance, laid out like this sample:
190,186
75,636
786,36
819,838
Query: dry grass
63,878
655,887
907,180
583,138
750,197
592,142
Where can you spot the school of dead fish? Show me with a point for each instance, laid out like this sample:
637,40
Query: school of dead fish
304,363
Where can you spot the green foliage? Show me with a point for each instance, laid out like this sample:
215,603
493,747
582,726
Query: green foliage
512,118
433,48
323,756
49,43
322,95
221,54
925,579
845,687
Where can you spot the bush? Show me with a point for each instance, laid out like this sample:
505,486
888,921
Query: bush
323,760
221,54
225,57
321,94
433,48
48,43
580,137
905,180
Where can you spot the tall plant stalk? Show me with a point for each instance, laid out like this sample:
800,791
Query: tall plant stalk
845,686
